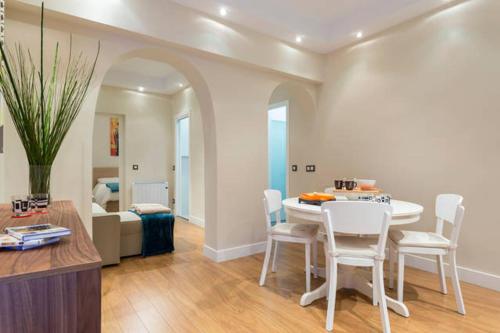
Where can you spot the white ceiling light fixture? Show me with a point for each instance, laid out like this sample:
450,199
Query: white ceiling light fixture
223,11
181,85
298,39
359,34
141,89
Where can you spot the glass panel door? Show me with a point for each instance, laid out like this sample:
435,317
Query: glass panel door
182,186
278,149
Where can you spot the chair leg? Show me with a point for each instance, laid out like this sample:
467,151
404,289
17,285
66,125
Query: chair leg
266,261
456,283
401,275
327,267
315,257
374,279
332,292
384,315
308,267
442,274
274,266
391,266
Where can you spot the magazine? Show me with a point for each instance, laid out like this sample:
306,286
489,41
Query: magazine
11,243
37,231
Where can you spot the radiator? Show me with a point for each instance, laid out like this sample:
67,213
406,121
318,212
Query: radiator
150,192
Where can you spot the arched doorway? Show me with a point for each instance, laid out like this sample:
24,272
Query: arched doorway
202,93
297,103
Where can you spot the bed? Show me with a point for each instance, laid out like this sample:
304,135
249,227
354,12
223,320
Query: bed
106,190
116,235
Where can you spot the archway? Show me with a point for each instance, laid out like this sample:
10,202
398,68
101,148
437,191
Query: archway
301,107
203,96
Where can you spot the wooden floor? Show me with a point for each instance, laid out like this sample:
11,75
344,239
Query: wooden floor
186,292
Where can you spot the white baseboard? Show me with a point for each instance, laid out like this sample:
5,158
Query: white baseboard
469,275
233,252
465,274
197,221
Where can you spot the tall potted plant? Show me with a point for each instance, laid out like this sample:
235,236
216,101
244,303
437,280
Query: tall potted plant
43,105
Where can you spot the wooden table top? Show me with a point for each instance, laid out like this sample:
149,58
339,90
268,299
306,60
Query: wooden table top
70,254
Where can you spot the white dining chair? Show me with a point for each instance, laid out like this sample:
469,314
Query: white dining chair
351,219
287,232
448,209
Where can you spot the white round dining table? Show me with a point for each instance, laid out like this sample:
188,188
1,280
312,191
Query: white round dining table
403,212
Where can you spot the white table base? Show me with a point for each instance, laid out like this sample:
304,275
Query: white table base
352,278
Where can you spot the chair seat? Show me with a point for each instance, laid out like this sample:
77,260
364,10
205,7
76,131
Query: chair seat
418,239
354,246
295,230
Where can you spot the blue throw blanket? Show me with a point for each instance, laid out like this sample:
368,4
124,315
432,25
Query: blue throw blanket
157,233
114,187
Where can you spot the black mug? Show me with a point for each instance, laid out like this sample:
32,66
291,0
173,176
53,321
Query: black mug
350,185
339,184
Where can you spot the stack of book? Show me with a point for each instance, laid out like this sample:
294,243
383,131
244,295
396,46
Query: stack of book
33,236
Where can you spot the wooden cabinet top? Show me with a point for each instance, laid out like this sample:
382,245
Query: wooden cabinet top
72,253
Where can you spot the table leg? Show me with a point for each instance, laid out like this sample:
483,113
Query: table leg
314,295
351,278
357,279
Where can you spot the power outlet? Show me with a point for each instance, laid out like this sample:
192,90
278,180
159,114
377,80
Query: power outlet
311,168
295,168
135,167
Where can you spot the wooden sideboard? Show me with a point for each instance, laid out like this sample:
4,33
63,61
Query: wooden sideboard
56,288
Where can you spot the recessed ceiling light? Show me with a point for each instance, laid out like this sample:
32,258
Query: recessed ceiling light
298,39
181,85
141,89
223,11
359,34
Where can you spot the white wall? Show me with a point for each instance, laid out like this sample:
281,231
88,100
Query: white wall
417,109
146,135
185,102
101,154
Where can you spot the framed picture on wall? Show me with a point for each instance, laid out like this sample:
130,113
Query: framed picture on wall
114,136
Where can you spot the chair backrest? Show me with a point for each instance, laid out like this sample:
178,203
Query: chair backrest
449,208
272,205
357,217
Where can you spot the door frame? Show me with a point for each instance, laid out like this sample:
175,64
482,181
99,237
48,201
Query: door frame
286,104
178,191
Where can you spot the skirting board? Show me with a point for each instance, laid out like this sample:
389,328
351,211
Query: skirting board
482,279
233,252
197,221
469,275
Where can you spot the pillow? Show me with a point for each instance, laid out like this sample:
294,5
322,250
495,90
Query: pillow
114,187
108,180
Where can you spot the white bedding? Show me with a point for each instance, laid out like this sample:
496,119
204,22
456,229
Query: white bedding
97,209
128,217
102,194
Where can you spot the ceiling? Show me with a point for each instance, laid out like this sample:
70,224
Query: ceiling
152,76
324,25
